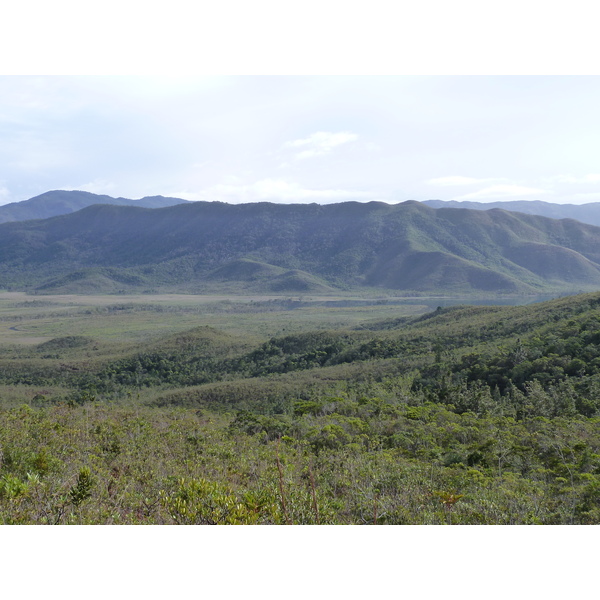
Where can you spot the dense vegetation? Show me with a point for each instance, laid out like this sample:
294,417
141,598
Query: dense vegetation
365,462
269,248
463,415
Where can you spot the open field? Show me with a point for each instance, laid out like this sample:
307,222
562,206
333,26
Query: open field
33,319
30,320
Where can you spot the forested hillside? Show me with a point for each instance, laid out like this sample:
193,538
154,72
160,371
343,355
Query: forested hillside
270,248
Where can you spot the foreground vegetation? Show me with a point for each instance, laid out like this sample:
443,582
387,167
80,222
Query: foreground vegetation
361,462
463,415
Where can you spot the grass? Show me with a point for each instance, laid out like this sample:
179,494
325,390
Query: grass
29,320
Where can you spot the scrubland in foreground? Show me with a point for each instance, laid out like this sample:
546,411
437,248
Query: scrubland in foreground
275,412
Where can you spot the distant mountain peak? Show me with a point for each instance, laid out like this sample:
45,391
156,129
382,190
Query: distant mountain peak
62,202
586,213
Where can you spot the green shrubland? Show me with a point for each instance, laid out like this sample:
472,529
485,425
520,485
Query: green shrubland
363,461
464,415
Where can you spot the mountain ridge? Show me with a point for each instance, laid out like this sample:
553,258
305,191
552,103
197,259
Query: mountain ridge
586,213
60,202
295,248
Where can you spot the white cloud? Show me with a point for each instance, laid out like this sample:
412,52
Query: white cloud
459,180
183,195
503,191
97,186
583,198
5,196
589,178
320,143
31,152
275,190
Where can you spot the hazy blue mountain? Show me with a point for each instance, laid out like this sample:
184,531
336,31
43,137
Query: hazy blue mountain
61,202
586,213
276,248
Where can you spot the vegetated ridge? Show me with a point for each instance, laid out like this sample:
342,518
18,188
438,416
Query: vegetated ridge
272,248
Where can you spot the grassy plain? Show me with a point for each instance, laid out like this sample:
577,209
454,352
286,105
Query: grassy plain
129,319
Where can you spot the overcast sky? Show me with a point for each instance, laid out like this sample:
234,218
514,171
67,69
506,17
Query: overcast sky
303,139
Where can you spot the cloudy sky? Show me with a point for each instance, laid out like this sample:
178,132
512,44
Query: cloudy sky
301,138
481,106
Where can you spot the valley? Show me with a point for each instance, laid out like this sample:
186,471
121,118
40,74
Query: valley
352,363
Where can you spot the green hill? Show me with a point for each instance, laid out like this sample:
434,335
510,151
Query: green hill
266,248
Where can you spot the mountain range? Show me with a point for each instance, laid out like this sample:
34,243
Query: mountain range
273,248
61,202
586,213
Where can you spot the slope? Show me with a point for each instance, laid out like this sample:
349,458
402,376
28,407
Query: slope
211,246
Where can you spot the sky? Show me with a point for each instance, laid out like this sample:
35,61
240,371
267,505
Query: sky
311,102
297,139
